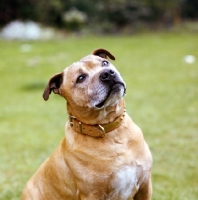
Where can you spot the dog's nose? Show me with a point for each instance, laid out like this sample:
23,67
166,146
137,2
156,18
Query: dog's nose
107,75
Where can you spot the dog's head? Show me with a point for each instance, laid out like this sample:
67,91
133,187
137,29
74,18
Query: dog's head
93,83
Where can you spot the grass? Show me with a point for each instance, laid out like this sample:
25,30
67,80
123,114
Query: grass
161,98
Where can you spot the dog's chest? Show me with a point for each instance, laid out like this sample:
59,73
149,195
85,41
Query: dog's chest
124,183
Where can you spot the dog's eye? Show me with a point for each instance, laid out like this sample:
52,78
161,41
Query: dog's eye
81,78
105,63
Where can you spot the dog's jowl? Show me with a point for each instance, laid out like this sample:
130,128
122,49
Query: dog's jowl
103,155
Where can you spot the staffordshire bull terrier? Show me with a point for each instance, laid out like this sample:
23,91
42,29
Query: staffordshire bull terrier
103,155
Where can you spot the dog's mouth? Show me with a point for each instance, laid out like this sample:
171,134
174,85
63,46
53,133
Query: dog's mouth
115,89
100,105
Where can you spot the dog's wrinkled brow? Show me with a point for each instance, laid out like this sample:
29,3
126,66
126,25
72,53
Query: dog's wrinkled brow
89,64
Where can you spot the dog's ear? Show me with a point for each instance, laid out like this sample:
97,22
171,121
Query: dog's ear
103,53
53,85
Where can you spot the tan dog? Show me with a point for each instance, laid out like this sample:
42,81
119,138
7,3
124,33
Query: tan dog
104,155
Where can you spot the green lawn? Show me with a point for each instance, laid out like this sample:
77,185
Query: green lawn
162,98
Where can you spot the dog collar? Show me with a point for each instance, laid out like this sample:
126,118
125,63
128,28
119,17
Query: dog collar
97,130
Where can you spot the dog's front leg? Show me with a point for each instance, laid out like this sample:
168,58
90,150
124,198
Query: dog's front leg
145,191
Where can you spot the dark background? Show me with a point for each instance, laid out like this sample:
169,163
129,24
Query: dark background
117,14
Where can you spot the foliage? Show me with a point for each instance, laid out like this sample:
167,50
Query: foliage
190,8
161,98
74,19
120,13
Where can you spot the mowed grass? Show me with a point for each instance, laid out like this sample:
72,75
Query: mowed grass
162,98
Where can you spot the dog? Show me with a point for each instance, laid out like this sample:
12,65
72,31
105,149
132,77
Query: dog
104,155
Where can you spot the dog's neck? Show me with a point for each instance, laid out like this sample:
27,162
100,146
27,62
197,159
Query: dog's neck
98,130
96,122
97,116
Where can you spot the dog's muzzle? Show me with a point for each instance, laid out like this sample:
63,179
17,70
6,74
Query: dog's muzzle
113,83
